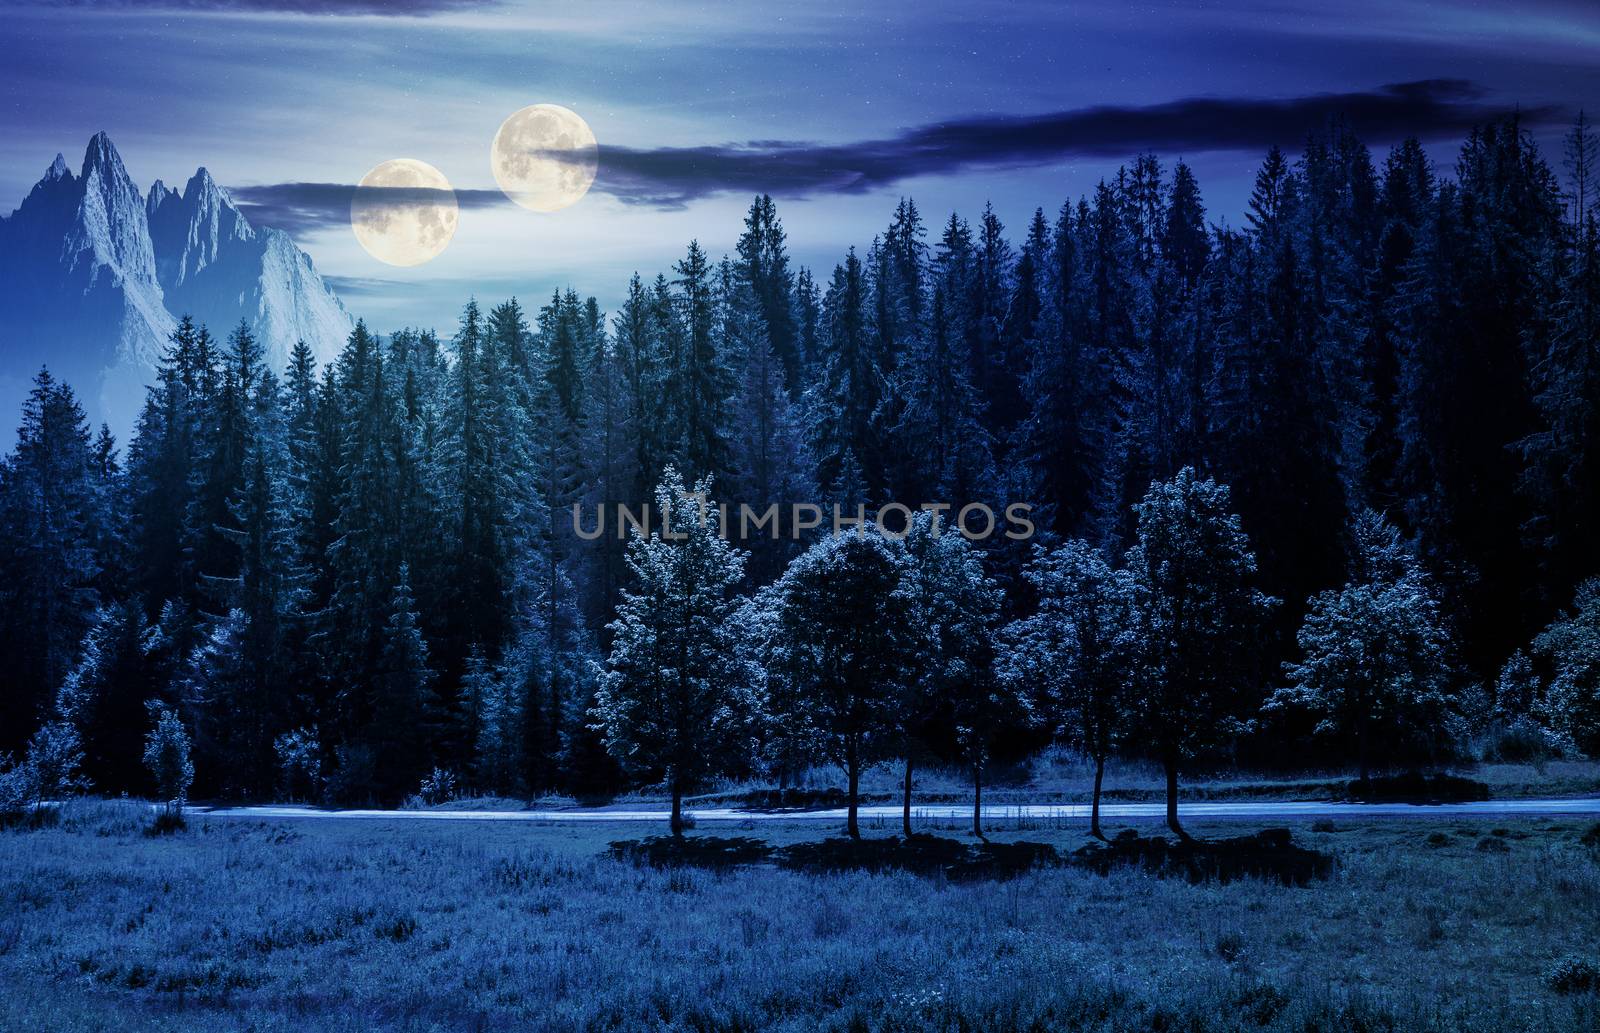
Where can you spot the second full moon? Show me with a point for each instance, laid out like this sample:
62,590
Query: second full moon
544,157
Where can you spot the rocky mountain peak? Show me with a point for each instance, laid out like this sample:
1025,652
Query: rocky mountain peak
95,272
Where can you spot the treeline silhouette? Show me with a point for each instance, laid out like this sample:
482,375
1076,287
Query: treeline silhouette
345,578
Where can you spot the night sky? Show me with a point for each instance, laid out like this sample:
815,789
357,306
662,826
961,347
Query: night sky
696,107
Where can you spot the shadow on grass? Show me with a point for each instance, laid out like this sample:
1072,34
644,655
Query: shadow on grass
1269,854
927,856
715,852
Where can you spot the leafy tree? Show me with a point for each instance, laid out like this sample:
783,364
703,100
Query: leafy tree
1569,652
670,701
845,643
956,656
55,759
1193,570
1083,652
1375,654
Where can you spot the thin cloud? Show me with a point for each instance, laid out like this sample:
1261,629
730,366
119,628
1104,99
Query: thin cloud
301,208
381,8
672,177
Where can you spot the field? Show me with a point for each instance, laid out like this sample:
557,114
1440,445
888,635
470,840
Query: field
343,925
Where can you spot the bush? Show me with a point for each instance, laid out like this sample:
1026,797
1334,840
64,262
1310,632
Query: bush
1269,854
18,788
438,787
166,754
1574,976
299,764
1522,741
55,754
1415,787
166,823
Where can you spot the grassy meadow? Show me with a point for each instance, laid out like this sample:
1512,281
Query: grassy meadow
350,925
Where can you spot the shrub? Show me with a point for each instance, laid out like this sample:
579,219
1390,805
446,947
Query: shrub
1523,741
166,823
438,787
1416,787
18,788
1492,845
299,764
166,754
55,754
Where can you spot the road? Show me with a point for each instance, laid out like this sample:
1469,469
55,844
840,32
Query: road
1268,810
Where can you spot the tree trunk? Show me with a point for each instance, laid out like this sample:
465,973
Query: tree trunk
677,809
1171,761
977,800
852,826
1364,764
905,807
1094,805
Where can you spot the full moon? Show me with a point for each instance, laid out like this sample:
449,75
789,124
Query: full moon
544,157
404,212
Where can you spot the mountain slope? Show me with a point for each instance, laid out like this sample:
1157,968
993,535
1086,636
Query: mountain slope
94,275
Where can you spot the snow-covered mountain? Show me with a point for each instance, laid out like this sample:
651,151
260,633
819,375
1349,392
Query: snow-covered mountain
94,276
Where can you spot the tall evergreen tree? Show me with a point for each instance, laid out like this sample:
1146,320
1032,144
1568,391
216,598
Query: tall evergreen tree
48,562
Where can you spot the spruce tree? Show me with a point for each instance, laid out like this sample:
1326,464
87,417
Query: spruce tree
48,562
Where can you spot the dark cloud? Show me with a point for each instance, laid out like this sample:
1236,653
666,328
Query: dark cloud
386,8
302,207
673,176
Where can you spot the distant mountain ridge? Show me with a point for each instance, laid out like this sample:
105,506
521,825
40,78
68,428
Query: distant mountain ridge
94,276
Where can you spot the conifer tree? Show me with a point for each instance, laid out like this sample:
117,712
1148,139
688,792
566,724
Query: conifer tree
48,563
